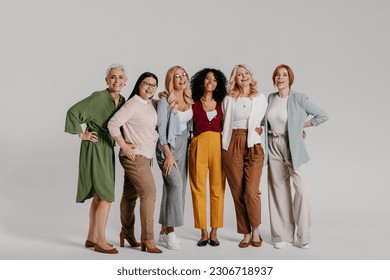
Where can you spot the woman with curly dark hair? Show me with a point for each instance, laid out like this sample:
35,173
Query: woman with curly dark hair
208,88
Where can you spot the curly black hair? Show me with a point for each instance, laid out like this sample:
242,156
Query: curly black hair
197,84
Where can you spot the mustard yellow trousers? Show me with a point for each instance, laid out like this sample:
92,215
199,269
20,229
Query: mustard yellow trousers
205,159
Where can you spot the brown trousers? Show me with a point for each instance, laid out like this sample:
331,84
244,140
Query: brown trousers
243,167
138,182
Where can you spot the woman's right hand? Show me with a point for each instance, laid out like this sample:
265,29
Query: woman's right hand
168,163
127,148
91,136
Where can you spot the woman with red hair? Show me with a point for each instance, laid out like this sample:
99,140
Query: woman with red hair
285,119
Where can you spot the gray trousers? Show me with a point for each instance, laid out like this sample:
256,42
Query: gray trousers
286,212
175,184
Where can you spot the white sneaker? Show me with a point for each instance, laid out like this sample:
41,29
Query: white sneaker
171,241
282,245
161,239
305,246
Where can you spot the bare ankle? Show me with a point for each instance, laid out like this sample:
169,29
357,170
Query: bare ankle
213,234
204,234
169,230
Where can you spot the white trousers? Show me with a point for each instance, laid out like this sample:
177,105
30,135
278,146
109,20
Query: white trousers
287,212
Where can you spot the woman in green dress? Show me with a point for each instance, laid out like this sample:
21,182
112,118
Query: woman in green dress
97,160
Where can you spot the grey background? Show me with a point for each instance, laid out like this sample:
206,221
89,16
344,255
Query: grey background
54,53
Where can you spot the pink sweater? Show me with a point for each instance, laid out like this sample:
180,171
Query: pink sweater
139,121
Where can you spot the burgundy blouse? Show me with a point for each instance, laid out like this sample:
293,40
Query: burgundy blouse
202,123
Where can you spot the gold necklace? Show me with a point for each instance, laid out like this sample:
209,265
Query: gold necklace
242,101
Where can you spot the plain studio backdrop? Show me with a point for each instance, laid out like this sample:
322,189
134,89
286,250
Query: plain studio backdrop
55,53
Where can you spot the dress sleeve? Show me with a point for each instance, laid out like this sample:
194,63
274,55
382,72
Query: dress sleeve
79,113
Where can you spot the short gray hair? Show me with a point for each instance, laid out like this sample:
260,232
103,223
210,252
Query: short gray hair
116,65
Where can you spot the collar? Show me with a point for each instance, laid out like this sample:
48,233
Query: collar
140,100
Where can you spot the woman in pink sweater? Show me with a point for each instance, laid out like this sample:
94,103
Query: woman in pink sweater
138,119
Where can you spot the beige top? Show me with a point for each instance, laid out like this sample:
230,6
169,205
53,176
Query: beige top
138,118
277,115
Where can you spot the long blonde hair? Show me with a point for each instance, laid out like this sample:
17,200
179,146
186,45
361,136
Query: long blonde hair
172,95
234,90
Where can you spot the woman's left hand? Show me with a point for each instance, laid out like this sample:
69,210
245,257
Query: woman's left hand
259,130
162,94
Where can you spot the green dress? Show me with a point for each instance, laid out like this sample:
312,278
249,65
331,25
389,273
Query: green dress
97,160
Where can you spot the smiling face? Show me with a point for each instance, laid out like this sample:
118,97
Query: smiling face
147,88
116,80
243,77
180,79
210,82
282,80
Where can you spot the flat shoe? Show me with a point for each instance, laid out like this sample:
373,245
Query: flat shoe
243,244
90,244
257,243
101,250
202,243
214,243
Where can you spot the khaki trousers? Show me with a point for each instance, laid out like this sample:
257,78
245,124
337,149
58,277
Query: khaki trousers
286,212
205,157
138,182
243,167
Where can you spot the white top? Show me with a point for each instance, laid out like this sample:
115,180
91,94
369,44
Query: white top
211,115
277,115
184,118
259,106
242,112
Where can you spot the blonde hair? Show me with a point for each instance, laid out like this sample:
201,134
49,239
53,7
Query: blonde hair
233,89
172,95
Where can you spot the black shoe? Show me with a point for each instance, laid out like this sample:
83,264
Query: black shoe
202,243
214,243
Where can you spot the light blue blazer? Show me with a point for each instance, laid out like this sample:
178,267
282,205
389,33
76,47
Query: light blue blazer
169,128
298,109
